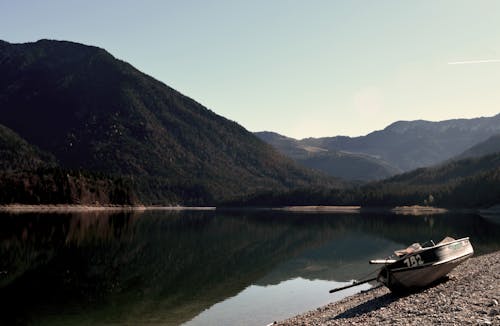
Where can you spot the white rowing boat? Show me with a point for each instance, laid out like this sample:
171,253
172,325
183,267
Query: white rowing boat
418,266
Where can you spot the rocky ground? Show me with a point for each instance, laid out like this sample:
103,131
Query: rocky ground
469,296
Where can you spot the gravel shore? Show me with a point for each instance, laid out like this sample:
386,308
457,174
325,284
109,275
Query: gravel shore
470,295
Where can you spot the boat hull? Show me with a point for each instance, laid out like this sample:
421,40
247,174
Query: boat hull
425,266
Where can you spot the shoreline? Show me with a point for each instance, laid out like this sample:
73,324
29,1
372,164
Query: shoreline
418,210
69,208
415,210
470,295
320,209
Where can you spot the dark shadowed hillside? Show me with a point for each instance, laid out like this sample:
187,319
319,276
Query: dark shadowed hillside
31,176
60,186
94,112
18,154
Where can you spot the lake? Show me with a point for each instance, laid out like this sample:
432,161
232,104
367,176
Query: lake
199,267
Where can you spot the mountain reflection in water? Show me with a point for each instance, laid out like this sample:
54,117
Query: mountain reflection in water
159,267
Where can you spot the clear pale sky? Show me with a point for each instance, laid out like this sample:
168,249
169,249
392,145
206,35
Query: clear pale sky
299,68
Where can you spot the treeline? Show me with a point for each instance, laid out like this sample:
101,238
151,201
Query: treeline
471,183
61,186
55,185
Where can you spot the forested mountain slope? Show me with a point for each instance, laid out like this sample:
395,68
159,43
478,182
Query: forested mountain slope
489,146
468,183
94,112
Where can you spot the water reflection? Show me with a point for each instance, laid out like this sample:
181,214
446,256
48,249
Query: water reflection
167,267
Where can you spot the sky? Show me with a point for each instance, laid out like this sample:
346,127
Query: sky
310,68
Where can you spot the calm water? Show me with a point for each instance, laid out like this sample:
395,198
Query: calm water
198,268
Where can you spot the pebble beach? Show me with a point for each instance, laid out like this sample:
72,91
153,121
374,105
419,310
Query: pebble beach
470,295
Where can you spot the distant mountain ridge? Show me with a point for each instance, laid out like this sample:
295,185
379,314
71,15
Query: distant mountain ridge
97,113
409,145
340,164
401,146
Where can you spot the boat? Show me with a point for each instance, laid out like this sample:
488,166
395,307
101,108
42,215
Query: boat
419,266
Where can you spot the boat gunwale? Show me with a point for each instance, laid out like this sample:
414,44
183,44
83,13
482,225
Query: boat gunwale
440,262
433,247
423,249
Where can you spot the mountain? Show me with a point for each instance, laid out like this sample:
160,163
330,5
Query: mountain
489,146
341,164
94,112
408,145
